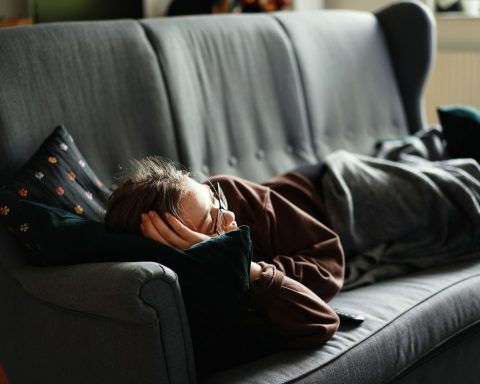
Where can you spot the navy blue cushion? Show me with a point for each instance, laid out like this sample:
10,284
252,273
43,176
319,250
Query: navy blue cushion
58,175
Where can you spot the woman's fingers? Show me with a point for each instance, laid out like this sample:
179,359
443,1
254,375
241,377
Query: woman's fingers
152,230
177,235
191,237
160,229
149,230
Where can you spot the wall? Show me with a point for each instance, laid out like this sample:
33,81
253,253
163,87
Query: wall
305,5
365,5
455,78
13,9
66,10
155,8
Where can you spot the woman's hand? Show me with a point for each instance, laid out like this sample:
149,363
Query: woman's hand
177,235
255,271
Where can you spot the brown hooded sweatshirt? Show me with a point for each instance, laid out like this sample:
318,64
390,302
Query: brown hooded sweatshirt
302,259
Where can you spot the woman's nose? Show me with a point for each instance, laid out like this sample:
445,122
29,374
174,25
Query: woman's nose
229,217
230,222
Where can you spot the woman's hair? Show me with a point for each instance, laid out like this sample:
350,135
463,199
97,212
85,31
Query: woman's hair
150,184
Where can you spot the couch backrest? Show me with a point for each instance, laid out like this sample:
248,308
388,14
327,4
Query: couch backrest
249,95
257,95
347,75
100,79
236,97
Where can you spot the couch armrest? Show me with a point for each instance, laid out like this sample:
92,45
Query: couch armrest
134,292
104,289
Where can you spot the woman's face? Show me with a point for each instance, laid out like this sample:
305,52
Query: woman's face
199,210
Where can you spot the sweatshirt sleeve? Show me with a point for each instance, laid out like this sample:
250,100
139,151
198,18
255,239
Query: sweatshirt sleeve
287,234
295,312
304,249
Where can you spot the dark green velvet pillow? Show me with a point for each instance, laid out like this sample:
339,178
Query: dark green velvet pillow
213,275
461,129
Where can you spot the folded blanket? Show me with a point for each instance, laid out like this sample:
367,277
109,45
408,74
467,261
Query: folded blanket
394,216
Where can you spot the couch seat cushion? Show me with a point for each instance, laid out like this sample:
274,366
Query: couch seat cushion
406,318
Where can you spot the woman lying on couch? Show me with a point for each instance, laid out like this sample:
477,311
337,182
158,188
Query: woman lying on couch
298,262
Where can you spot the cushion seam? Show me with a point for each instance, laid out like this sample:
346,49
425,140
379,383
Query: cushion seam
301,81
149,37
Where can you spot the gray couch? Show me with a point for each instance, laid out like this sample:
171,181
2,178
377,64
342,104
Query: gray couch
250,95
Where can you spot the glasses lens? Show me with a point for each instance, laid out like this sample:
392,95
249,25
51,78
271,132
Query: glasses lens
222,206
221,197
220,227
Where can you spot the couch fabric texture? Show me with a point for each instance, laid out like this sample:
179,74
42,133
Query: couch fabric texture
248,95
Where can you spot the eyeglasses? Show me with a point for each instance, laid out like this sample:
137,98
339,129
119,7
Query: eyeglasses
220,222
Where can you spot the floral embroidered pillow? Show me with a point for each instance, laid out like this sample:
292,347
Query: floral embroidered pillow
58,175
17,224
